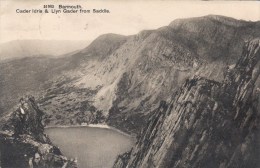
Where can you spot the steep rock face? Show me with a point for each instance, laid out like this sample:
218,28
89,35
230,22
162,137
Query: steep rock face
206,123
160,65
122,159
23,142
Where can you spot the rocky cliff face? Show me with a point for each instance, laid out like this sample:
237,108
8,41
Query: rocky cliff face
206,123
23,142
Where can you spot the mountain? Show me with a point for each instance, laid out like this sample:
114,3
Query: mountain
29,48
23,142
206,123
184,90
120,79
144,68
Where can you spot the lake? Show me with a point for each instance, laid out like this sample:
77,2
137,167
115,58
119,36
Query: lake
93,147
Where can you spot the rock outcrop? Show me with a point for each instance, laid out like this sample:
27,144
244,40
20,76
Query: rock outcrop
206,123
23,143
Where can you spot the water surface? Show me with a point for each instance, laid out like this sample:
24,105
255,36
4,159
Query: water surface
93,147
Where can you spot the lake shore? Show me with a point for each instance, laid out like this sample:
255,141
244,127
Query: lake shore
103,126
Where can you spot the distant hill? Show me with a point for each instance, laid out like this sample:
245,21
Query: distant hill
28,48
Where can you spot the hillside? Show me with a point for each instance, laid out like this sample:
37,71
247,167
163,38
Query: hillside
26,75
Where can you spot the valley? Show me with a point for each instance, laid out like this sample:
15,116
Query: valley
175,89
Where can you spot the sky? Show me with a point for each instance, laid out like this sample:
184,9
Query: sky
125,17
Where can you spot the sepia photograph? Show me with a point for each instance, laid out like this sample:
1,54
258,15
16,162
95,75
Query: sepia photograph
129,84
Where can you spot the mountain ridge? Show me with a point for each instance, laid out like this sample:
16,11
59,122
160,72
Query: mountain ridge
128,76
